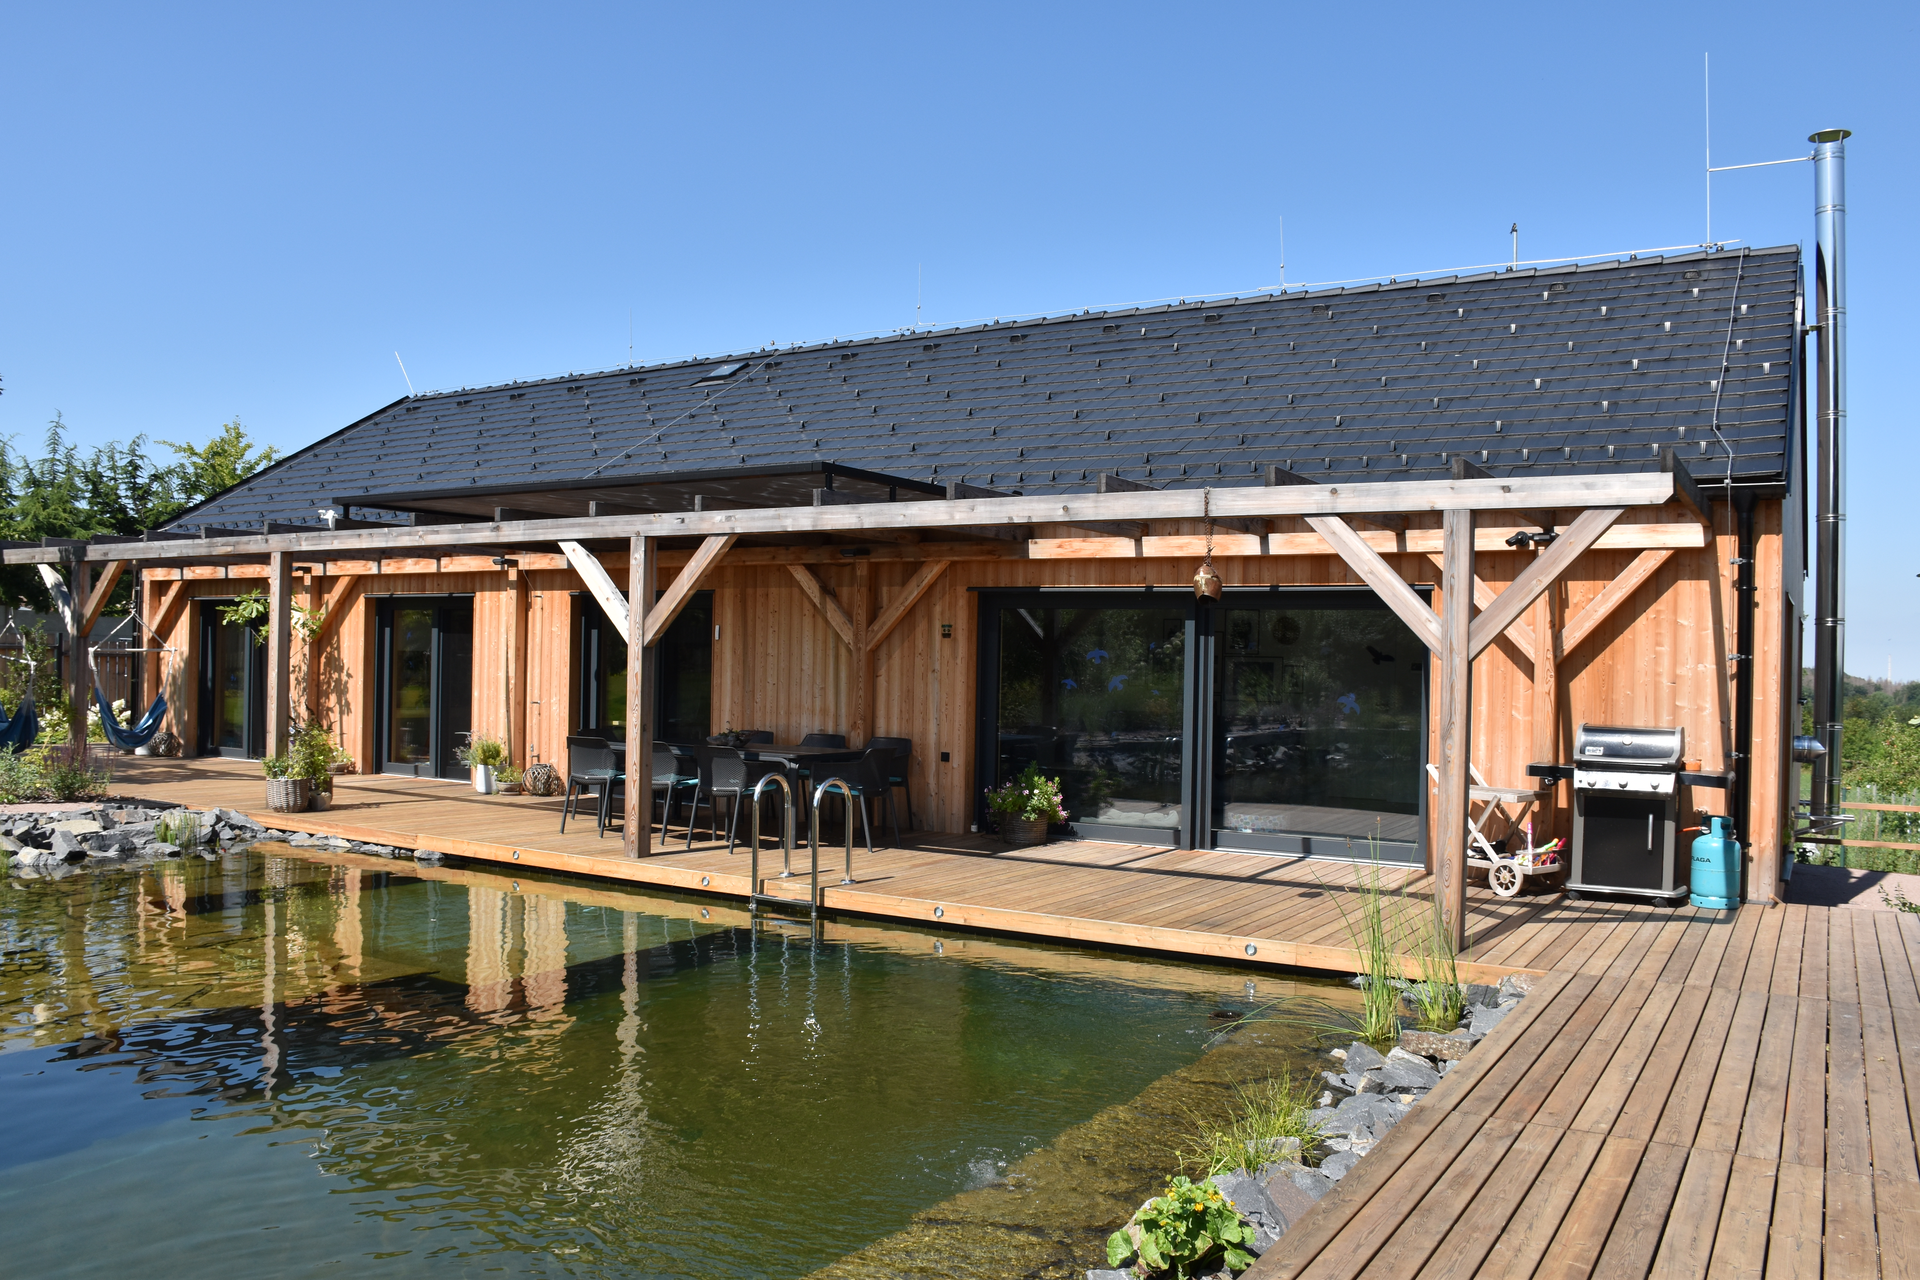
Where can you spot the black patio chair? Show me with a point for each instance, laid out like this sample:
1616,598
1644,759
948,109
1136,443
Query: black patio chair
591,767
898,774
675,774
834,741
868,777
725,772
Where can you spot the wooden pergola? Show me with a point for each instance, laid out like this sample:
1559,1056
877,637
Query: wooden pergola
1360,523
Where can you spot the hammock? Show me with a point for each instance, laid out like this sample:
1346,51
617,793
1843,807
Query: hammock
140,734
21,730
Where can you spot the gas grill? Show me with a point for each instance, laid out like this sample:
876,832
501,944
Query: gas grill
1626,811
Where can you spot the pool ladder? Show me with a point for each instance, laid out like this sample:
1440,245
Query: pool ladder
758,901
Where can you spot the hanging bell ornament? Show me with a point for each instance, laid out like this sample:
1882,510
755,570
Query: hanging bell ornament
1206,583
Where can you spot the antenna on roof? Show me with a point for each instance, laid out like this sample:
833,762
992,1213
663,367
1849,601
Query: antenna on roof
1706,117
1515,229
919,287
403,373
1283,253
629,337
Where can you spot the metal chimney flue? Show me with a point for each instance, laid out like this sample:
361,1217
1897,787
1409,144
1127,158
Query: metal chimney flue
1830,598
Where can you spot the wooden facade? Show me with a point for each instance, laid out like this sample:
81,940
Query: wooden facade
1640,629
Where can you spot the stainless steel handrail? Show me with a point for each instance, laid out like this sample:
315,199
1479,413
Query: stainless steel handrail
786,848
813,832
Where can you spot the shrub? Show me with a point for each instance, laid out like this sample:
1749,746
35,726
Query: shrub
483,752
59,775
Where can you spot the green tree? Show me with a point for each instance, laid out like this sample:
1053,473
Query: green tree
219,464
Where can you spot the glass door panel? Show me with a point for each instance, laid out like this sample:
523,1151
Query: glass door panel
233,680
1319,729
410,689
1097,698
426,685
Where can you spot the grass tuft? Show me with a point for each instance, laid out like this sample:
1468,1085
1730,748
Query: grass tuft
1265,1113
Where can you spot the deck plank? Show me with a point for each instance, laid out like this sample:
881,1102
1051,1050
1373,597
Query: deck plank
1692,1224
1740,1239
1521,1186
1583,1233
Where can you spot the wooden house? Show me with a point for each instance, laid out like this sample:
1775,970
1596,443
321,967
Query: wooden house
1454,518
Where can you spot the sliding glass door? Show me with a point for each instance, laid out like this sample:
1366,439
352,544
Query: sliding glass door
425,684
233,684
1280,721
1318,727
1093,689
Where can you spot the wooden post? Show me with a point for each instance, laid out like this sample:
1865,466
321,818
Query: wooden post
79,674
279,650
1456,724
860,695
642,662
1546,703
515,692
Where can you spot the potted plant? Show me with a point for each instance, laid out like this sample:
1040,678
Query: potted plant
310,756
1026,806
286,792
483,756
509,779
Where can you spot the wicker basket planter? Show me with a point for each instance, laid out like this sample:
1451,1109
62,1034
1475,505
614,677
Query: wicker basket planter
544,780
1023,832
288,795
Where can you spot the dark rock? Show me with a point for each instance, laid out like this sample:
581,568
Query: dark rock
1402,1077
162,849
1516,984
1309,1182
1336,1165
1431,1044
1341,1083
1290,1200
1485,1020
1483,995
1249,1199
66,844
1364,1057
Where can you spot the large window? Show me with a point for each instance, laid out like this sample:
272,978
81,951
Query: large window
683,686
1283,721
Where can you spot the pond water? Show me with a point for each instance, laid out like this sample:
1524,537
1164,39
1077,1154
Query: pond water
296,1063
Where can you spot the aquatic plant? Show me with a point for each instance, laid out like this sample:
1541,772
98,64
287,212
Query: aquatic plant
1374,934
1266,1113
1438,996
181,827
1182,1230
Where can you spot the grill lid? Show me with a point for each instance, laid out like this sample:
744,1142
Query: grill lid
1625,747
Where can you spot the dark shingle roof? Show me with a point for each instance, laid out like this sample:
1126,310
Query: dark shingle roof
1574,369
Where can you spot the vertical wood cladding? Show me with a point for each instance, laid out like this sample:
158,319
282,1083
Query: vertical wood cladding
1663,657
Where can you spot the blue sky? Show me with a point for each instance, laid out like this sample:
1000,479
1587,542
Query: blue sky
220,211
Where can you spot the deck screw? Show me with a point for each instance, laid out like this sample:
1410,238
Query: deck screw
939,913
1252,950
703,884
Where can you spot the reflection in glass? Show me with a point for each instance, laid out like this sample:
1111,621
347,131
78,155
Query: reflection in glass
683,677
1318,724
410,710
233,655
1096,697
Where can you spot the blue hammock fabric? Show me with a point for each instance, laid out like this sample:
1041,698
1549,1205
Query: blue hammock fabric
22,729
140,734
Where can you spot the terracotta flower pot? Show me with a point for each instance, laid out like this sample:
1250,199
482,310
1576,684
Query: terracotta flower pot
1023,832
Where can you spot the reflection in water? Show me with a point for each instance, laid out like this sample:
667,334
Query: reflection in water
338,1062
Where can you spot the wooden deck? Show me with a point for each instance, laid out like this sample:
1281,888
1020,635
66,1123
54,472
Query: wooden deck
1722,1096
1246,908
1685,1093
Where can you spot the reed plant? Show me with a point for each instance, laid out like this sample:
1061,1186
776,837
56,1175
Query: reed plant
1438,996
181,827
1265,1114
1374,931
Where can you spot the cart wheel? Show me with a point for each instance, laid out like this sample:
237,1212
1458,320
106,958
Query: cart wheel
1505,878
1573,895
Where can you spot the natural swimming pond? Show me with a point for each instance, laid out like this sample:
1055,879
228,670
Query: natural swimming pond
297,1063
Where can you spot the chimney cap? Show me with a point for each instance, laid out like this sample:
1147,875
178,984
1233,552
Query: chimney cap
1830,135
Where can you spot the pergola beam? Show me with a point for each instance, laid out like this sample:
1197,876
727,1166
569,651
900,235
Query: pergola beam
1382,577
1538,576
661,615
1413,497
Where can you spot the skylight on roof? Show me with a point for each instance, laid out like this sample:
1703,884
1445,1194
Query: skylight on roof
721,372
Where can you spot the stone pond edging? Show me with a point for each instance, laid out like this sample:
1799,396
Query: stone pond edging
1359,1105
51,842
